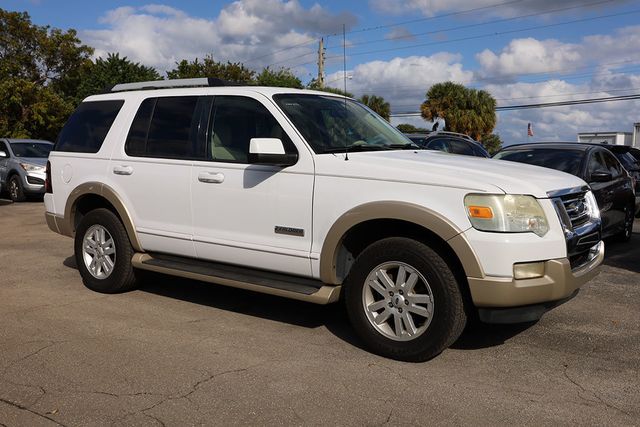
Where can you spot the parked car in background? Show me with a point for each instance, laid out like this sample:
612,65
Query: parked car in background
22,167
611,184
449,142
629,157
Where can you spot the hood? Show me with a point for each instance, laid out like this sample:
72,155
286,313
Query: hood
442,169
38,161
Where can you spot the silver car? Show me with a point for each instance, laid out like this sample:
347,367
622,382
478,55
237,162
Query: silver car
22,167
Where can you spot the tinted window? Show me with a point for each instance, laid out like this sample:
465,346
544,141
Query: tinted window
596,163
236,120
439,144
170,127
480,151
87,127
31,149
420,140
562,160
460,147
612,164
628,161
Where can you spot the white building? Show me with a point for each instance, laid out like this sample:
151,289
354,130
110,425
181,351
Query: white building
612,138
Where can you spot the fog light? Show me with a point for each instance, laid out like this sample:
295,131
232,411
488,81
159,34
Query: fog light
529,270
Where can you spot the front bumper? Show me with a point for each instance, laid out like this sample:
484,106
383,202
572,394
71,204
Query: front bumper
33,182
559,282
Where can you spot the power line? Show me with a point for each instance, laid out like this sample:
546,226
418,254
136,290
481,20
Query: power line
460,27
547,104
498,33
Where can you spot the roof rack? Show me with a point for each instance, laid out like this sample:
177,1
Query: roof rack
175,83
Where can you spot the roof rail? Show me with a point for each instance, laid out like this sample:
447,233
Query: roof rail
175,83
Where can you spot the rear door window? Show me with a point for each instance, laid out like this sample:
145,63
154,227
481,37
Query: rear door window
170,127
460,147
596,163
87,127
613,165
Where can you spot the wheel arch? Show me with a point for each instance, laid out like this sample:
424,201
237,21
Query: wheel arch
93,195
370,222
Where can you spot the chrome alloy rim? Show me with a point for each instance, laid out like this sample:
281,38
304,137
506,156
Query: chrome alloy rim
398,301
13,189
98,252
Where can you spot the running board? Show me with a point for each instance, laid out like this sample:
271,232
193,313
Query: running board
298,288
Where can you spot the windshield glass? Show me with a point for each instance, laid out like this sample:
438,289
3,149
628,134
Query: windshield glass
562,160
31,149
330,126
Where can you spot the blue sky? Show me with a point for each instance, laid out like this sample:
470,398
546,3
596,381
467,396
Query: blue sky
522,51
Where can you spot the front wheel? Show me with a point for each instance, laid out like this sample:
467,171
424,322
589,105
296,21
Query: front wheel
16,192
103,253
404,301
625,234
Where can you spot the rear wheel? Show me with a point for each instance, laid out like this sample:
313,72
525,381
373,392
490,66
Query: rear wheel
625,235
15,190
103,253
404,301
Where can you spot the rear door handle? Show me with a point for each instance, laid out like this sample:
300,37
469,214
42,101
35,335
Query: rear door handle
123,170
211,177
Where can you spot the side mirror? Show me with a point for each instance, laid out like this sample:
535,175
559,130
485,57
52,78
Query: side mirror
270,151
3,155
601,175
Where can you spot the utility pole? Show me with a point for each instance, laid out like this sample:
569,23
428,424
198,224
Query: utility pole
321,63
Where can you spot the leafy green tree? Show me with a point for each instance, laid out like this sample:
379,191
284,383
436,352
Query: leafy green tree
409,128
492,143
377,104
40,70
313,84
105,73
31,110
280,78
465,110
208,67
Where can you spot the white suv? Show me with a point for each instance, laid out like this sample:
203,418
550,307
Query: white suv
311,196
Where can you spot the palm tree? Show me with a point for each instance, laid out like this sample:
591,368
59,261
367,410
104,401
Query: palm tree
377,104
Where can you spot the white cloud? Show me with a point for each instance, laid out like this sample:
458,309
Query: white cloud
159,35
403,82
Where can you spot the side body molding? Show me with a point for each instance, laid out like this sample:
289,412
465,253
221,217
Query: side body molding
67,226
409,212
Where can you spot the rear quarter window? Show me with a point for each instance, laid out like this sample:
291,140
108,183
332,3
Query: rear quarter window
87,127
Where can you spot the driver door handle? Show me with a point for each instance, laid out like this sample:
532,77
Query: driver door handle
123,170
211,177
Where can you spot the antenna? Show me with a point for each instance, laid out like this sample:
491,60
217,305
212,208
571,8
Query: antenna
344,78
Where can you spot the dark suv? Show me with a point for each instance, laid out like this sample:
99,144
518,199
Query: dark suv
449,142
630,159
611,184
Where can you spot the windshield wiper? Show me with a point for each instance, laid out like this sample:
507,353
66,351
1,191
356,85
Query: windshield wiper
411,146
359,147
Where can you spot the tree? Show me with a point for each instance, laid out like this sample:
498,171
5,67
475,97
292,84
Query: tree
280,78
492,143
208,67
105,73
313,84
409,128
377,104
40,69
465,110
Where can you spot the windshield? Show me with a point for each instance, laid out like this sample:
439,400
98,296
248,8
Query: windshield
31,149
330,125
563,160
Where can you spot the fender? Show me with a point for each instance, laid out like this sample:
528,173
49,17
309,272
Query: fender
67,226
409,212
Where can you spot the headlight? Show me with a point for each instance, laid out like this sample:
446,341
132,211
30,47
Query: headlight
506,213
592,205
31,168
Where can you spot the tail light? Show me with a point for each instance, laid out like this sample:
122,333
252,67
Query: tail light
48,188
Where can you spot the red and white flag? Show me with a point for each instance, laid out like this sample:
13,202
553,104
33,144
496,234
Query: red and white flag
529,130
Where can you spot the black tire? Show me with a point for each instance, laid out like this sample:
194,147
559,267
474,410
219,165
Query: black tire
123,276
625,234
15,190
448,317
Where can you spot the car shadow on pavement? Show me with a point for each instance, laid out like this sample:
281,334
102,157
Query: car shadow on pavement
624,255
5,202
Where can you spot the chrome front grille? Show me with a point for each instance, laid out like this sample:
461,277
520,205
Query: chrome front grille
576,207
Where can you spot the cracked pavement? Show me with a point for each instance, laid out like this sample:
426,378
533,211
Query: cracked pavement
180,352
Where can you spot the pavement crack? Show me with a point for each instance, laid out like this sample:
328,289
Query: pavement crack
595,395
24,408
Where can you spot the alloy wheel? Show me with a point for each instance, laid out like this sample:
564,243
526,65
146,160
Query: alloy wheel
98,252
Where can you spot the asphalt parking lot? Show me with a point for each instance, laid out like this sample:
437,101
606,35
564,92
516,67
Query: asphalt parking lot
180,352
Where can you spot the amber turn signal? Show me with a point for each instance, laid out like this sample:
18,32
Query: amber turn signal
482,212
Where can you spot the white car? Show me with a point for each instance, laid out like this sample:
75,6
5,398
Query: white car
311,196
